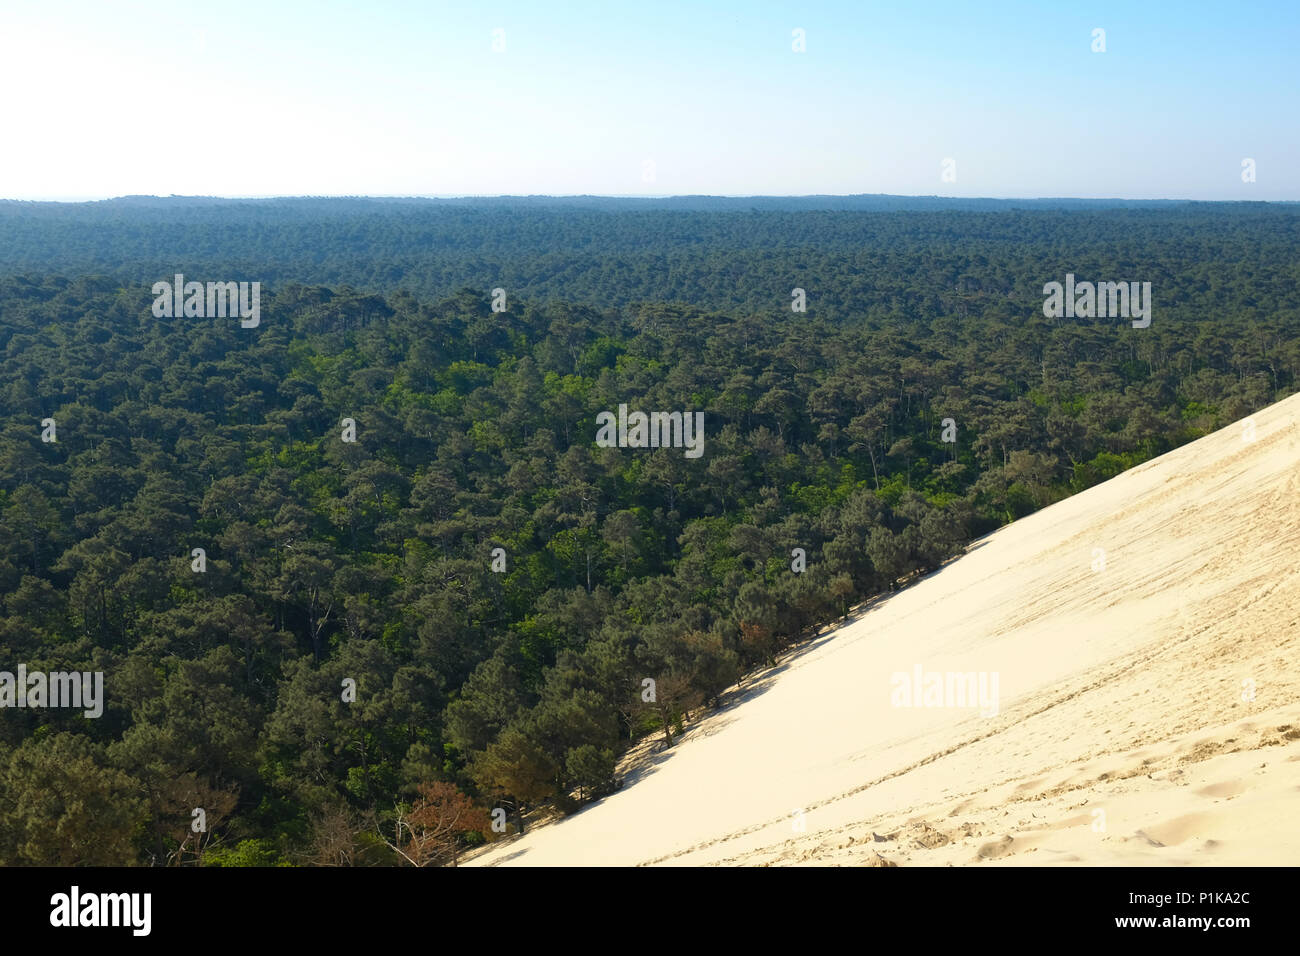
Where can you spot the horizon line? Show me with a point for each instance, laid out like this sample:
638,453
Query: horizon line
86,200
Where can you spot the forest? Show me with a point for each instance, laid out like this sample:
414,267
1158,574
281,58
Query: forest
383,640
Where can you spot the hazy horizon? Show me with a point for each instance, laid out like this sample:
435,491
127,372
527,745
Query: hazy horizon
740,99
646,196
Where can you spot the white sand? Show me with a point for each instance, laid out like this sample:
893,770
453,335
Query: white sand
1121,690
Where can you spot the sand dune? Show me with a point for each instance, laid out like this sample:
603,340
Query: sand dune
1144,638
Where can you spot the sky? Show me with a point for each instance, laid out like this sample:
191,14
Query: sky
407,98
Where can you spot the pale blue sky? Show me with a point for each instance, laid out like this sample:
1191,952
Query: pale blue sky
397,97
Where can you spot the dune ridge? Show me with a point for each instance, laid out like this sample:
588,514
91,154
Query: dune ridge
1145,636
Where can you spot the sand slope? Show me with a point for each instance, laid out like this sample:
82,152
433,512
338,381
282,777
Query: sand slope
1162,689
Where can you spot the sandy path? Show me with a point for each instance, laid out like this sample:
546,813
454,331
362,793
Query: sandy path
1120,688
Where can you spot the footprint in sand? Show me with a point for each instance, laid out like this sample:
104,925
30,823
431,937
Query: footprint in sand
1180,829
1225,790
991,851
